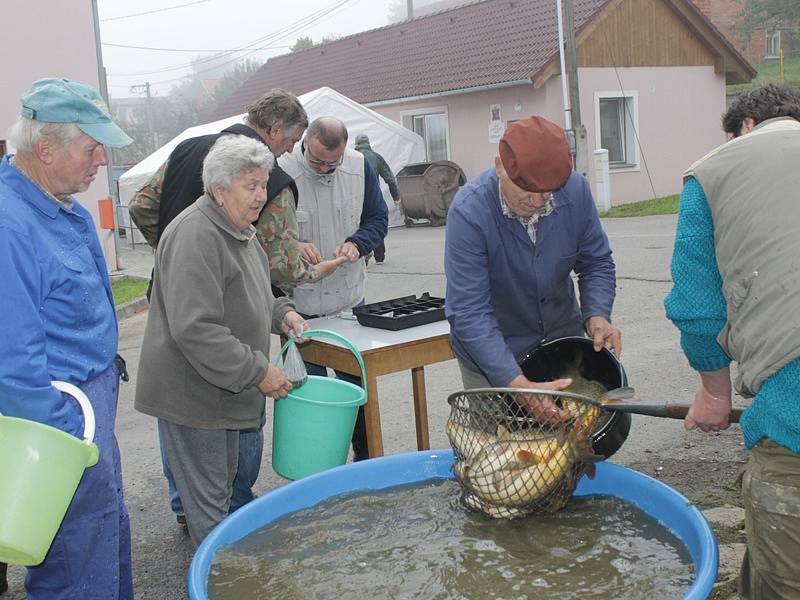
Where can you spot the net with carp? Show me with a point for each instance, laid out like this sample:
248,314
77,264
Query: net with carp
511,464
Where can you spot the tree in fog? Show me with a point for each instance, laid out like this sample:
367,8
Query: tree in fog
770,15
306,42
153,121
398,8
302,43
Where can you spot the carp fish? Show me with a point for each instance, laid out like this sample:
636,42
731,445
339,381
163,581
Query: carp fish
490,452
585,387
509,472
532,477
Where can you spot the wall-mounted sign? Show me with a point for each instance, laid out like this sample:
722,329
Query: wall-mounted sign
496,131
496,125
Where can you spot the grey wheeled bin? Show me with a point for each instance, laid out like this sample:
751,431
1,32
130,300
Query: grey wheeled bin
427,190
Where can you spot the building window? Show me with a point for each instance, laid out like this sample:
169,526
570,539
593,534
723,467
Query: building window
432,125
773,44
616,123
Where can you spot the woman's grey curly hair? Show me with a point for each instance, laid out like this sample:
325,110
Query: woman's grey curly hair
232,156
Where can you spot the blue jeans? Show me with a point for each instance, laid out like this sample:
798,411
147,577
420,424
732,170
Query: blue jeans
251,446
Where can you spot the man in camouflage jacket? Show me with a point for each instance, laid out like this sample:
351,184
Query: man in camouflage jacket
277,120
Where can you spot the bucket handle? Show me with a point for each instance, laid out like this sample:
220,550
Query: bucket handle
83,401
332,335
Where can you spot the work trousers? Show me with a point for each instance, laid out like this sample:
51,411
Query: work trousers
204,463
488,412
251,447
91,554
771,494
471,379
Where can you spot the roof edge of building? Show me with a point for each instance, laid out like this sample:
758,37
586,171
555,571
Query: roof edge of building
453,92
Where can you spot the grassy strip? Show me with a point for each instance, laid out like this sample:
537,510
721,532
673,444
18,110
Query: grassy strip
668,205
127,288
771,72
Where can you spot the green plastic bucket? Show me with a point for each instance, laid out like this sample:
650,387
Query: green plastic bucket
41,468
313,425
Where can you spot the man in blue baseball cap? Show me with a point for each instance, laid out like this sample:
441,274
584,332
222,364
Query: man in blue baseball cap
59,323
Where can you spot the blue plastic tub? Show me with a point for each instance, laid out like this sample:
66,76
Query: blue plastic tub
659,501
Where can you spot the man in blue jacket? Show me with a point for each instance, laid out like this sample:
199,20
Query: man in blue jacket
59,323
514,236
342,212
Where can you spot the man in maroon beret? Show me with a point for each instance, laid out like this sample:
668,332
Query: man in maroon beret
514,236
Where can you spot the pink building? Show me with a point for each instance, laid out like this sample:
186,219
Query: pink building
652,77
65,44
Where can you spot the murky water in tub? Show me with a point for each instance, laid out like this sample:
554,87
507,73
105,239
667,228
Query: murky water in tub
418,541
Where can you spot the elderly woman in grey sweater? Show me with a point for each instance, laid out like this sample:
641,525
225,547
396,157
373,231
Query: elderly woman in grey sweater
204,368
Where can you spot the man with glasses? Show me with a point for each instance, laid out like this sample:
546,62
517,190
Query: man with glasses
514,236
342,213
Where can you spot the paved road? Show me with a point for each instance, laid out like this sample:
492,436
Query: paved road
651,356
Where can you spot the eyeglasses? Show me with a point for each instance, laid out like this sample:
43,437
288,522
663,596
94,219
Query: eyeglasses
315,162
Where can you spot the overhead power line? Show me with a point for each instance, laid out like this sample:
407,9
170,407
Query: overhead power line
295,27
180,49
150,12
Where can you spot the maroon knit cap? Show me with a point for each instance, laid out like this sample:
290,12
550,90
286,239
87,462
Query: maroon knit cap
535,154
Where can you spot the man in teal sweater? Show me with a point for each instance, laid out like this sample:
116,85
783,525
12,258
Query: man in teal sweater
736,296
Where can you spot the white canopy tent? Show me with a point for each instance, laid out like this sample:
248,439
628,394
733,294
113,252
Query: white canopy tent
398,145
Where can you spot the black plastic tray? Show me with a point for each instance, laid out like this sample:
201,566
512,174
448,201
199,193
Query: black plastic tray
401,313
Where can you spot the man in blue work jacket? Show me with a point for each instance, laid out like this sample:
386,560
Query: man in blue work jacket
514,236
59,323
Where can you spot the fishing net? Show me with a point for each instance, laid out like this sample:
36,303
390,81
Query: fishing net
519,452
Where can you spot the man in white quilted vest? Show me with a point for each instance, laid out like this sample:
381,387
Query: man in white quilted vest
340,212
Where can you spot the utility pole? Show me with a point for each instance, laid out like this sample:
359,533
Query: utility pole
409,9
137,89
581,143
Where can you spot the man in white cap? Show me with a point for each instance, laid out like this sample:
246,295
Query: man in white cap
59,312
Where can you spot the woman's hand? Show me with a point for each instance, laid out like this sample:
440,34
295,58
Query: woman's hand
275,384
293,325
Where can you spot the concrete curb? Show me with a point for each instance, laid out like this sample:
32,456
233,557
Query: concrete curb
131,308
